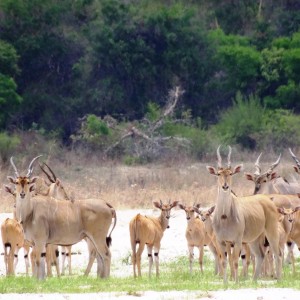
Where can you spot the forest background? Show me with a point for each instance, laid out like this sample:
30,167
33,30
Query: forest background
141,81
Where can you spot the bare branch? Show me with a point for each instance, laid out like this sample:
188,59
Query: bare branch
169,109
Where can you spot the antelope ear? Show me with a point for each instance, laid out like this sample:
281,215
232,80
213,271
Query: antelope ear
198,205
237,169
33,179
296,209
273,175
249,176
212,170
58,182
32,188
157,204
211,210
11,179
8,190
280,210
181,206
175,203
296,169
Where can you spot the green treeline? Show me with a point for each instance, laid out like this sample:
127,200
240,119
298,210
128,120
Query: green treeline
238,63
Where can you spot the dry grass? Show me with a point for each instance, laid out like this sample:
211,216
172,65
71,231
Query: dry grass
136,187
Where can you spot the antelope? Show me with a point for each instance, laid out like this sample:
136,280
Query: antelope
46,220
13,240
197,236
52,254
51,250
270,183
57,191
206,217
294,220
149,230
243,219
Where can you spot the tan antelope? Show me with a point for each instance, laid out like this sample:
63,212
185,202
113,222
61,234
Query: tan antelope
297,167
197,236
147,230
46,220
243,219
293,217
13,240
270,183
51,250
56,190
206,217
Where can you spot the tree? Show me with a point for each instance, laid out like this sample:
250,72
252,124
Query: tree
9,98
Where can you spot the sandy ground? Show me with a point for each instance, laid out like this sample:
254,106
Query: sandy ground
173,245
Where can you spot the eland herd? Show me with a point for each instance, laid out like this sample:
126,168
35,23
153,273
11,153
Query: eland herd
256,229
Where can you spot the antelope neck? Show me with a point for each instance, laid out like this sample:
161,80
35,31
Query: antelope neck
225,206
24,208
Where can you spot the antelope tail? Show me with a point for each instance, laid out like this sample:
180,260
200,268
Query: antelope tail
108,238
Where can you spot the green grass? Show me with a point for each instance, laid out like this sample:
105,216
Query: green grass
174,276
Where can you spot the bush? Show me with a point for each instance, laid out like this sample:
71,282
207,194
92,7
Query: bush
93,133
240,123
8,145
95,126
196,140
280,131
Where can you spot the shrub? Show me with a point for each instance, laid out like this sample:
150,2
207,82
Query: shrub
195,140
8,145
240,123
280,131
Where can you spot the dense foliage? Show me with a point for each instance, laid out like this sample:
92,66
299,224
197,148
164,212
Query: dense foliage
62,61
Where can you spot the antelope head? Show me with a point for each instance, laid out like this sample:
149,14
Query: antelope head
58,191
56,188
23,184
297,167
260,179
189,210
165,209
224,174
289,212
205,214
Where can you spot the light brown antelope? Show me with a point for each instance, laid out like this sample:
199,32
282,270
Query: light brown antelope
56,190
46,220
270,183
293,217
147,230
297,167
13,240
51,250
206,217
243,219
197,236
